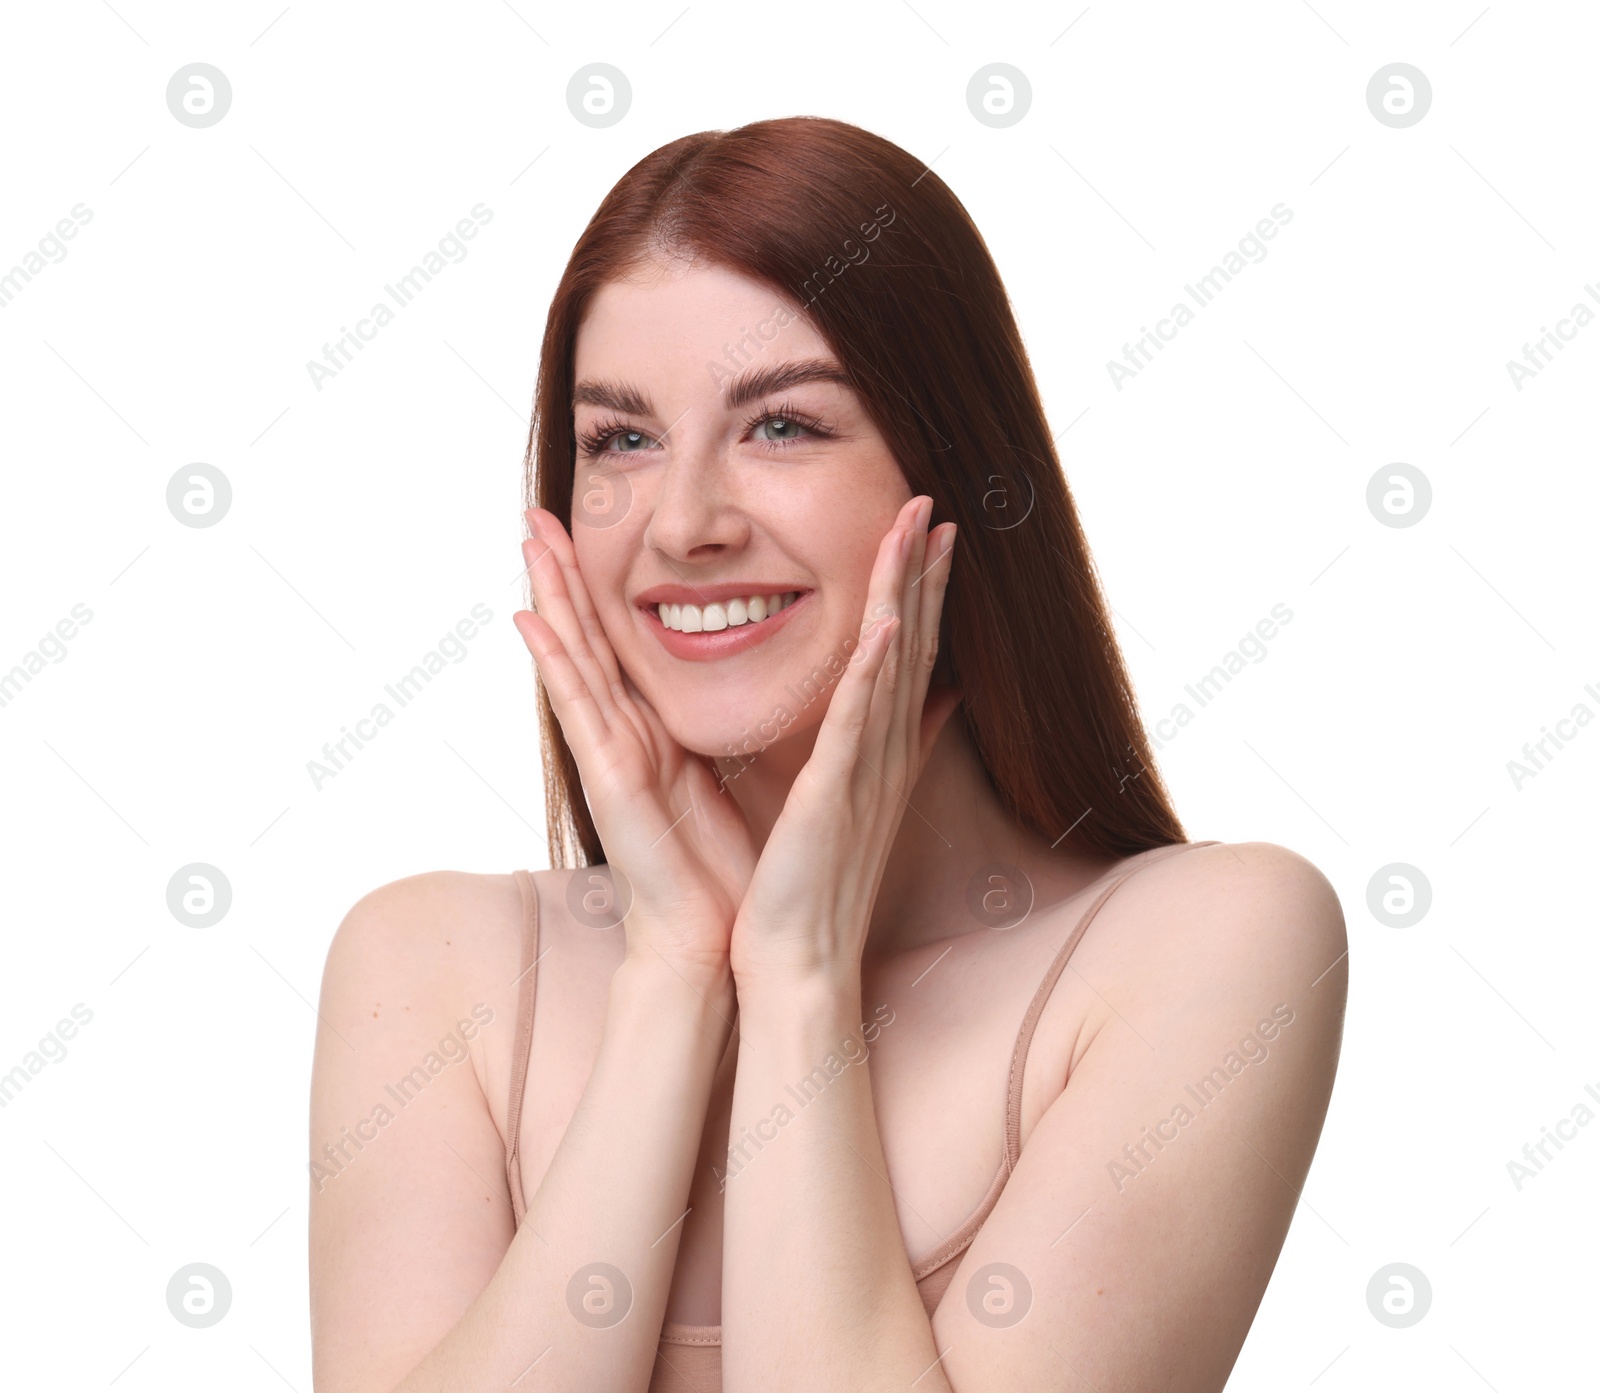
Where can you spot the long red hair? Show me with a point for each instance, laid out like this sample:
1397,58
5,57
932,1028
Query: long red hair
895,277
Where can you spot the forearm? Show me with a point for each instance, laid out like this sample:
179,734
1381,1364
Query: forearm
613,1194
817,1290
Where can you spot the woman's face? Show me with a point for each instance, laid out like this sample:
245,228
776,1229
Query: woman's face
718,465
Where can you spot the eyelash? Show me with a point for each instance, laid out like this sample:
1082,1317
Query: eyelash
593,442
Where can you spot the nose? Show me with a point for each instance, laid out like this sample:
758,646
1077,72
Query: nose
695,513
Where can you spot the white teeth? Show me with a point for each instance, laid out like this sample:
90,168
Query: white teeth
730,614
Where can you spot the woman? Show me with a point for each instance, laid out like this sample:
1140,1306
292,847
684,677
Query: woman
841,760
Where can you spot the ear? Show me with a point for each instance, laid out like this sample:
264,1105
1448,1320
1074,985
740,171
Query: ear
937,708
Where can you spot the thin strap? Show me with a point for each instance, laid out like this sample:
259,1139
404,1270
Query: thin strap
527,979
1019,1055
958,1241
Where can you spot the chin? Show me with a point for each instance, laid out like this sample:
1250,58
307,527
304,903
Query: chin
735,729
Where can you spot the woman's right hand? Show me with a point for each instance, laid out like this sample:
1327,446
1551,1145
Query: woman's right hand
680,842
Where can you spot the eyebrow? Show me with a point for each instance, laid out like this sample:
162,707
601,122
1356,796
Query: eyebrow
748,387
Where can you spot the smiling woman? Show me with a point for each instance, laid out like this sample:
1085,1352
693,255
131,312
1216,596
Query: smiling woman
847,569
910,375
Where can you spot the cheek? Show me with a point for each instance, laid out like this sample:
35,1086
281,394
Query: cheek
602,554
855,552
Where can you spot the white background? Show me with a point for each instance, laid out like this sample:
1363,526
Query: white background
369,517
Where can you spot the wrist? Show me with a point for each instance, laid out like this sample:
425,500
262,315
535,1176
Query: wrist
650,972
664,1022
815,993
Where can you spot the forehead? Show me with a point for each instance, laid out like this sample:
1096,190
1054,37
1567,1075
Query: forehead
669,323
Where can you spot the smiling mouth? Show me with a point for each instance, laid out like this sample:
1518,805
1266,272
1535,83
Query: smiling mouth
724,614
721,628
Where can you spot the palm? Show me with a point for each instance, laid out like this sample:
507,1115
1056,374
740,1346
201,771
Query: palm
670,808
681,841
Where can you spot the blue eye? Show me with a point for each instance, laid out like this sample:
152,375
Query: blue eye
780,424
775,426
783,428
610,438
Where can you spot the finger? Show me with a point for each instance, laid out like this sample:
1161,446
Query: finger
916,559
572,613
582,721
904,690
556,599
844,726
931,587
647,724
604,762
551,534
553,602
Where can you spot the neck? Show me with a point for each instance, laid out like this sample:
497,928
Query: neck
954,824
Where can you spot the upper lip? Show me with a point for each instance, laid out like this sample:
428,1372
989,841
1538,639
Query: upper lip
712,593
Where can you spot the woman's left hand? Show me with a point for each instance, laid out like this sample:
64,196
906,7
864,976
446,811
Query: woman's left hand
809,903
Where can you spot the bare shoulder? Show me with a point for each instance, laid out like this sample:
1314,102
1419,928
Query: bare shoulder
426,935
1220,934
423,958
434,945
1229,898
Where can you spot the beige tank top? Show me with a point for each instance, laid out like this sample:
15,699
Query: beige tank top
689,1357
